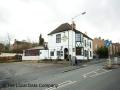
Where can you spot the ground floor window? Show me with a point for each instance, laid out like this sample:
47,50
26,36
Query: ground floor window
35,52
90,54
52,53
78,51
59,53
85,53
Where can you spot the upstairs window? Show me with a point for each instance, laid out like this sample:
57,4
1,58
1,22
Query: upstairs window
58,38
96,46
85,43
90,44
78,37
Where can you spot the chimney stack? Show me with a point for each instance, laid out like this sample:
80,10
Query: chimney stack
85,33
73,25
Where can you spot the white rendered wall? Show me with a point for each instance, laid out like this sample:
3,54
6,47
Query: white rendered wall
30,58
44,54
53,46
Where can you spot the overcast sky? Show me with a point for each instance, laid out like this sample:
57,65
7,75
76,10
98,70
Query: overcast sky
26,19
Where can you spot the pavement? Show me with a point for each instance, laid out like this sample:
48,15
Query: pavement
39,76
85,64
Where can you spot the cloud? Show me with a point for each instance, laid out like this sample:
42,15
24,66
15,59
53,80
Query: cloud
3,15
29,18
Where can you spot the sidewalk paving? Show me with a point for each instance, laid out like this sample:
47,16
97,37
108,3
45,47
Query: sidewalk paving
85,64
82,65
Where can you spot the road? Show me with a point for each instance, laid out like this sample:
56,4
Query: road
90,77
106,81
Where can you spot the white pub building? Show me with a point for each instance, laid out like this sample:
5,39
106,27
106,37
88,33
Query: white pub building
65,42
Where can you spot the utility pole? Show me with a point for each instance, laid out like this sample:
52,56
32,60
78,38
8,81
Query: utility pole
71,61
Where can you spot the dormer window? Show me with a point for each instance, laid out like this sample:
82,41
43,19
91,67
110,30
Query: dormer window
58,38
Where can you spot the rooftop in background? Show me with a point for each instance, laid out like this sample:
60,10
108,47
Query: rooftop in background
20,42
118,44
98,38
37,48
66,27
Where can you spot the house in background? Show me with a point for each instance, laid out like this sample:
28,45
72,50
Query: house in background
19,46
115,49
97,43
66,42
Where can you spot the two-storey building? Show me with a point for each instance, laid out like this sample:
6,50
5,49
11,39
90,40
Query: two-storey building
66,40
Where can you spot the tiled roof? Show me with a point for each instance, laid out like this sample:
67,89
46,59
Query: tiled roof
38,47
66,27
61,28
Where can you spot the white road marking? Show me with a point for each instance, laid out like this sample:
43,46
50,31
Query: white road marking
95,73
63,84
85,75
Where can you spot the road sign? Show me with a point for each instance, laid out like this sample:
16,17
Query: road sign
107,43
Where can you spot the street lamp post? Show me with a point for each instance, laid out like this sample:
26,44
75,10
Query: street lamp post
72,36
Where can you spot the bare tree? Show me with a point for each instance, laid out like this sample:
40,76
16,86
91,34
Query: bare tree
9,38
2,47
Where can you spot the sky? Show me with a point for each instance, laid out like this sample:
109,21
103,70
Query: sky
27,19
